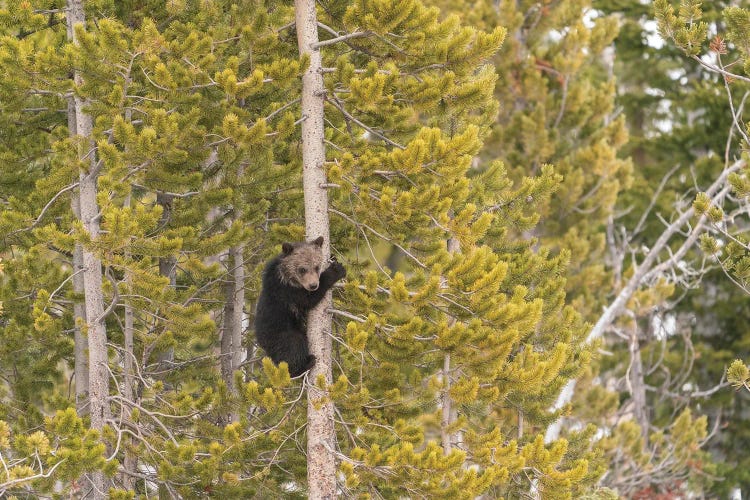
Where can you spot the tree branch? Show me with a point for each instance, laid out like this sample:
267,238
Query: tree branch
342,38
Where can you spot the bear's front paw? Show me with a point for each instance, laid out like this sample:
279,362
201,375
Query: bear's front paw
337,270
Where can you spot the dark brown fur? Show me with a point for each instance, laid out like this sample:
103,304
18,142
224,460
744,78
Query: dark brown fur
292,285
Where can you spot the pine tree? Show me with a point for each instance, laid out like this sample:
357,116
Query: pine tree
674,120
158,117
446,359
563,52
557,107
432,299
719,59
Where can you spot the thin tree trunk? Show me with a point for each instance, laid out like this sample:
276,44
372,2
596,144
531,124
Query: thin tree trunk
321,435
636,383
449,412
168,268
81,368
92,275
445,436
228,326
237,256
234,304
234,308
130,461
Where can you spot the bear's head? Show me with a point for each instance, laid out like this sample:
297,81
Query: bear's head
302,263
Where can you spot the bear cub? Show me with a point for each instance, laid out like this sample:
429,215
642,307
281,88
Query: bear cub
293,283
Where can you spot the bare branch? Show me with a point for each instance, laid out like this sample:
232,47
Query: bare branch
366,127
46,207
4,486
342,38
643,271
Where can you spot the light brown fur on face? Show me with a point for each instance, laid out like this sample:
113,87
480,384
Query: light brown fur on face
301,265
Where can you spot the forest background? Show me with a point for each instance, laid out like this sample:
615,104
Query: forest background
541,206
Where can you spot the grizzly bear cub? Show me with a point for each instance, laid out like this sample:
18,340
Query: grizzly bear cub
292,285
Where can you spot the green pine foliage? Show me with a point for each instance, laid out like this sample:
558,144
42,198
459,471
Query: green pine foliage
726,243
495,308
558,119
738,374
196,126
557,107
193,103
679,120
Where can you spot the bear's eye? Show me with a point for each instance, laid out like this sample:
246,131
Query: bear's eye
302,270
317,269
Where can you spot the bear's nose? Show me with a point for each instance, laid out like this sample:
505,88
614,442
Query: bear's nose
313,287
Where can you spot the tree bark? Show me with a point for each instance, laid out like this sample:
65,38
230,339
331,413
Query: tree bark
234,309
447,409
80,343
636,383
92,267
449,412
234,305
168,268
321,436
237,258
228,326
130,460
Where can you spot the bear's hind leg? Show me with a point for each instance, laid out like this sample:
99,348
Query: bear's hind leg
294,350
309,363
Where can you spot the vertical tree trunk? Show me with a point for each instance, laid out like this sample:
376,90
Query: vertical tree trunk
234,308
168,268
228,325
636,383
321,436
447,409
81,368
237,259
234,305
238,254
130,461
449,413
92,275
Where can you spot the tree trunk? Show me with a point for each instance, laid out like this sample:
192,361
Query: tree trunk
130,460
168,268
228,326
636,383
237,259
447,409
449,412
239,305
234,305
321,435
234,309
81,369
92,274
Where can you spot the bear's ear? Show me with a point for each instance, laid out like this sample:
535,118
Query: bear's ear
287,248
318,241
